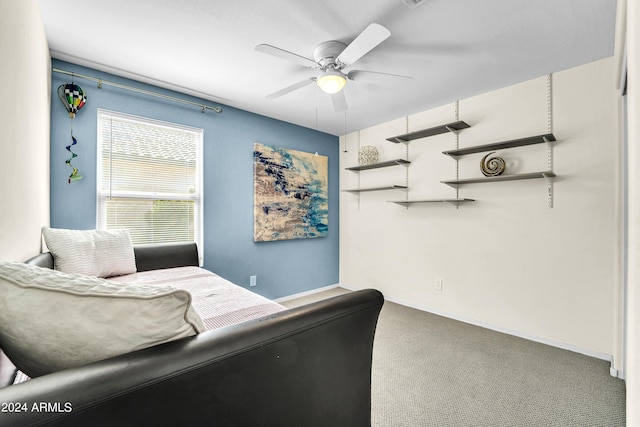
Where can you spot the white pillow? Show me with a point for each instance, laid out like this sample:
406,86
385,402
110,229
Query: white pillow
50,320
98,253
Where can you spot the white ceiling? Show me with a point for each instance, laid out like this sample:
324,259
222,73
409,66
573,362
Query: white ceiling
453,49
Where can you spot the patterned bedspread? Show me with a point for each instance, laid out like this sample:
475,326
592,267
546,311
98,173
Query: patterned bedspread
218,301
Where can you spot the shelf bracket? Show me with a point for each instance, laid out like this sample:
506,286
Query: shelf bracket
452,130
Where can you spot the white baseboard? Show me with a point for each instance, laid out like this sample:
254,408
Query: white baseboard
565,346
304,294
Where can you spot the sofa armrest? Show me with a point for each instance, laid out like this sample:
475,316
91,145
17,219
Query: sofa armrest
308,366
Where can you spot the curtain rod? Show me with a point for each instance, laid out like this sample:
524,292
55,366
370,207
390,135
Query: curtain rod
135,89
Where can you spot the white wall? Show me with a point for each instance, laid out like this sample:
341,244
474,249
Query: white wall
633,279
507,260
24,129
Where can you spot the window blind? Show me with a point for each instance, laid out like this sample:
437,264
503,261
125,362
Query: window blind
149,179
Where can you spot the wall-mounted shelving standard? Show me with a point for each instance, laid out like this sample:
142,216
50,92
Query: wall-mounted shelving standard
390,187
389,163
407,203
437,130
538,139
533,175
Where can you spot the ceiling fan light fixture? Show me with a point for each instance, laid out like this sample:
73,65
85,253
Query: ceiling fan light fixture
331,82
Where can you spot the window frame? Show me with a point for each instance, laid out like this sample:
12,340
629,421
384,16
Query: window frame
197,196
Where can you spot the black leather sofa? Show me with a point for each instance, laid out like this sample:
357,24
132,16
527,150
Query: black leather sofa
307,366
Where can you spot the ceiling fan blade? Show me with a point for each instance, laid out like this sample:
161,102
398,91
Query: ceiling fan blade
339,102
285,54
376,78
290,88
371,37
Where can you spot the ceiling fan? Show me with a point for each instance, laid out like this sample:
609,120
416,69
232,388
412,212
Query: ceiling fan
331,58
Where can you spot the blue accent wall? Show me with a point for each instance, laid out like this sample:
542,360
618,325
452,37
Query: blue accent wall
282,268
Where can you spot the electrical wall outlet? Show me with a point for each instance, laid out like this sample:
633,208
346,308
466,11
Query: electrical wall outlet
253,280
439,284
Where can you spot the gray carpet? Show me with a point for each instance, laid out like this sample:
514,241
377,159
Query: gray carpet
432,371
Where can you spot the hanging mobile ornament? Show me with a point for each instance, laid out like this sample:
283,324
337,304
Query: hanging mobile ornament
75,176
73,99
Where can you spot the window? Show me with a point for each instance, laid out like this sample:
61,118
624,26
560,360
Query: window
149,179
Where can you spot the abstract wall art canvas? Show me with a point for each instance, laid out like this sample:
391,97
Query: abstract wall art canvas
291,195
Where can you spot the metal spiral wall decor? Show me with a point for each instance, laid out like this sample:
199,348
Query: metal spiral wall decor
73,98
492,167
75,176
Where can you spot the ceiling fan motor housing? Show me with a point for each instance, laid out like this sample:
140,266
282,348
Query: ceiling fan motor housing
326,53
